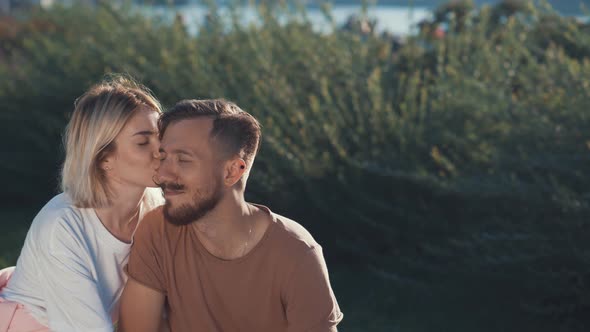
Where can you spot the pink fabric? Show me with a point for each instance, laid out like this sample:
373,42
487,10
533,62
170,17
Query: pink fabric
5,275
13,316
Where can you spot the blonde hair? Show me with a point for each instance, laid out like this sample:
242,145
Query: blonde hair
99,116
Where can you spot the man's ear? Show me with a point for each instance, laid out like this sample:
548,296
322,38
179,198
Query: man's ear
234,169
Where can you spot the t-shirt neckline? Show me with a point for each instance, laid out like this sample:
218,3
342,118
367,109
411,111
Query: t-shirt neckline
260,243
107,236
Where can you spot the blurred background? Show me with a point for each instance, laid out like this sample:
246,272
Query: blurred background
437,150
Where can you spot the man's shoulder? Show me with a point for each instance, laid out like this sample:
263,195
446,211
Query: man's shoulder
154,216
292,236
152,224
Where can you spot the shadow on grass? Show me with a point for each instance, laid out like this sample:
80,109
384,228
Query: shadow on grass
379,303
14,224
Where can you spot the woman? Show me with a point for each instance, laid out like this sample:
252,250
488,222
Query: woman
69,275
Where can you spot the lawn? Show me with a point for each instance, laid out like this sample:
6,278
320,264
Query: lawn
380,302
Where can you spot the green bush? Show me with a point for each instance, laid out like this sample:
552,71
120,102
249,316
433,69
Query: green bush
463,155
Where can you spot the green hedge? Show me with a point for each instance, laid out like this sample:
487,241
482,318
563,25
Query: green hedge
464,155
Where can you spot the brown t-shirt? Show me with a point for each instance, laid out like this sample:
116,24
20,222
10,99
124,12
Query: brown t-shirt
282,284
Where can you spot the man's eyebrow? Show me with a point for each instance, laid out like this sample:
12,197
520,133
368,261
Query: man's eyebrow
178,151
145,133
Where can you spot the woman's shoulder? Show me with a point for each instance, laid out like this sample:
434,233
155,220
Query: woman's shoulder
59,215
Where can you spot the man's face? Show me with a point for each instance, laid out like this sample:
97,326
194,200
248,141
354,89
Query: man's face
190,174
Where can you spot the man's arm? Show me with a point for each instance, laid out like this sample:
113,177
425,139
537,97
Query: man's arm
141,308
310,302
142,301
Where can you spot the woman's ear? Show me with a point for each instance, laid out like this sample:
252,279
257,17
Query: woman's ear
106,164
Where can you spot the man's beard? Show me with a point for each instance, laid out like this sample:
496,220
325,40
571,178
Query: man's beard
190,212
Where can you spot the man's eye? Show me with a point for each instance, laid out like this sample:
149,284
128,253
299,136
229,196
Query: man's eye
146,143
183,161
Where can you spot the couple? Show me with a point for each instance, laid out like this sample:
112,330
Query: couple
202,260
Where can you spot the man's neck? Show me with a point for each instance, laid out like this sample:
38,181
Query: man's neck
231,229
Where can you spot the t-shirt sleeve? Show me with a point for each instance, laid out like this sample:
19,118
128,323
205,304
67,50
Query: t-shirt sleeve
72,295
310,302
146,263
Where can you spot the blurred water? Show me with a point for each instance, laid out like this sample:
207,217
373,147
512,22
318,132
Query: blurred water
396,19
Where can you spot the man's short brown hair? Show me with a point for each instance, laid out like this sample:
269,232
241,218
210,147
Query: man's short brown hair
237,132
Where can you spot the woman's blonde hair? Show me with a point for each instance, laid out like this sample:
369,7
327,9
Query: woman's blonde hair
99,116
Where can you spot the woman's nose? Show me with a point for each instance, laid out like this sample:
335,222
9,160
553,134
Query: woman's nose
156,160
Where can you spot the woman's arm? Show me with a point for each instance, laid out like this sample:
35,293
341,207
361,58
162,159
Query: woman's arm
73,298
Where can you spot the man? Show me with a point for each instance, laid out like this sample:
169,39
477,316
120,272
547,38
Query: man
214,261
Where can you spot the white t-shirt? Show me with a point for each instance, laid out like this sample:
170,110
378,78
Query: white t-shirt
69,274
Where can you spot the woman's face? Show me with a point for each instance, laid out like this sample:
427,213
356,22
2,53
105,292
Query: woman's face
134,161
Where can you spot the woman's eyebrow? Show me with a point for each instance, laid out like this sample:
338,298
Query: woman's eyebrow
145,133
